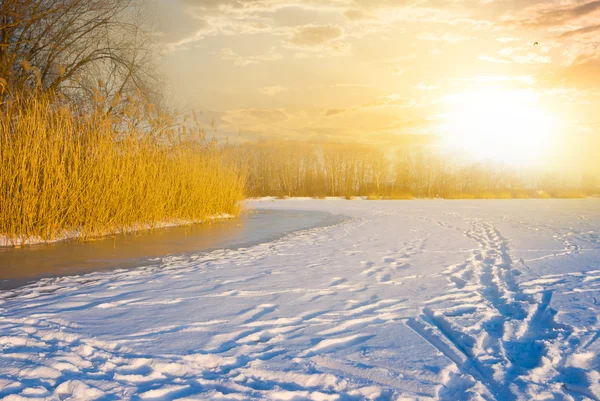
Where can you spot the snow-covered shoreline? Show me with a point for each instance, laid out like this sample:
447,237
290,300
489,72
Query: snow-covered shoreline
8,241
492,300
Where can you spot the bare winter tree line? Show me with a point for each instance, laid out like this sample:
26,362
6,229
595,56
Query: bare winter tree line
395,172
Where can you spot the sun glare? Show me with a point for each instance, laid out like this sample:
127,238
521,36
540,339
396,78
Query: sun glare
500,126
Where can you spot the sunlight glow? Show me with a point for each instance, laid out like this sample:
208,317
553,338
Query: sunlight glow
499,126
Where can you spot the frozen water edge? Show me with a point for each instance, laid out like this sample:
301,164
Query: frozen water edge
408,300
19,266
8,241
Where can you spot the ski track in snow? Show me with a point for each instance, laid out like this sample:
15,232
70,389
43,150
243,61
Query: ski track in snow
464,300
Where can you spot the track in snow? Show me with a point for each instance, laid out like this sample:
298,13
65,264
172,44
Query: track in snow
504,341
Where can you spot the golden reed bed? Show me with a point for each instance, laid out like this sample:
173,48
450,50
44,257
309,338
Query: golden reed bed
65,174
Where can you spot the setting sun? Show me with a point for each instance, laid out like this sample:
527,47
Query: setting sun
501,126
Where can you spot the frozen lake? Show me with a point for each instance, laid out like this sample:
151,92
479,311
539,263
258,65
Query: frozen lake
19,266
452,300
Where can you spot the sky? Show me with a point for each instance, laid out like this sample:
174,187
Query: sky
376,70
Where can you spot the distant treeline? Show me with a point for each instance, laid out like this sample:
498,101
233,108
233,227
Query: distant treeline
399,172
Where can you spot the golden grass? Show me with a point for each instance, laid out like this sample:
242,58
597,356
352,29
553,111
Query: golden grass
541,195
568,194
400,196
485,195
515,194
521,194
63,175
461,195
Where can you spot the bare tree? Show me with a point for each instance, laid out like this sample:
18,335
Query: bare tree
92,50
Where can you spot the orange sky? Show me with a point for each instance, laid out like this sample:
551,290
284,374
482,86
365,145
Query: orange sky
375,69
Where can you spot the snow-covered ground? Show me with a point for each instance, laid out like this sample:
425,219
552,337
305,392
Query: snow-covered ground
454,300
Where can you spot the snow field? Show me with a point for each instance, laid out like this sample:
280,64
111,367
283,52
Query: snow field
451,300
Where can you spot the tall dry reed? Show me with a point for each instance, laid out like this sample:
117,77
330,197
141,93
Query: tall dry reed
87,174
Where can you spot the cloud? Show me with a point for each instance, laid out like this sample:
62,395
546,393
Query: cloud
528,79
178,27
351,85
387,3
333,112
422,86
254,118
319,38
519,55
442,37
399,71
314,24
549,14
522,59
293,16
312,35
584,75
357,15
447,13
228,54
390,100
581,31
274,90
230,17
235,4
506,39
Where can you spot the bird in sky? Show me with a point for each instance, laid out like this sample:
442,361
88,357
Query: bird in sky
536,44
